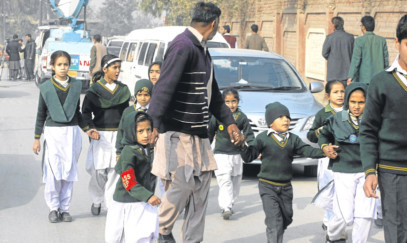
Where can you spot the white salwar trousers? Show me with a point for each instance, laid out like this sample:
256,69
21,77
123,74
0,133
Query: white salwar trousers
229,177
100,164
351,207
131,222
62,149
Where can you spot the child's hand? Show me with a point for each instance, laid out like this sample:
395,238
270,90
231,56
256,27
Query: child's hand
330,151
154,200
93,134
37,146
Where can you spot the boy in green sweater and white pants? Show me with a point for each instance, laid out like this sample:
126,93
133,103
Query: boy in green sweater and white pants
277,147
383,140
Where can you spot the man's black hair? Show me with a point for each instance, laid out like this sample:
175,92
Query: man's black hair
205,13
368,22
338,22
254,28
29,35
15,37
97,38
227,28
401,32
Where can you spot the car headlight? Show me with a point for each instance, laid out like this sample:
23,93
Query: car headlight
308,124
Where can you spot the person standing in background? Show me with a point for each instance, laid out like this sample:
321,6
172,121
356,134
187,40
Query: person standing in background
370,54
21,74
225,31
255,41
29,57
337,50
96,53
13,49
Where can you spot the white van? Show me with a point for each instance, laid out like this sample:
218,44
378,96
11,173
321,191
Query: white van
143,46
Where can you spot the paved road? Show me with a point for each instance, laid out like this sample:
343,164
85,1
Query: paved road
23,212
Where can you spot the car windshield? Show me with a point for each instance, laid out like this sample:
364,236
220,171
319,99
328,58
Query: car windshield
252,73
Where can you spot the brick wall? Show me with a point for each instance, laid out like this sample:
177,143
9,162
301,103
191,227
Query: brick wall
296,29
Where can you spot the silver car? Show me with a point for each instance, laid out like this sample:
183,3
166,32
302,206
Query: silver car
262,78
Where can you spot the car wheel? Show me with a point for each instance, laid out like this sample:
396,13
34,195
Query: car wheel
311,170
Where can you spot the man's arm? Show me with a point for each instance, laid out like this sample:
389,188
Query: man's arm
92,63
385,54
356,60
264,45
326,48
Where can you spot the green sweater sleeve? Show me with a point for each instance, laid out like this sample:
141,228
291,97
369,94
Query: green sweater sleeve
119,137
248,132
307,150
128,163
252,152
87,108
41,117
369,129
326,136
313,132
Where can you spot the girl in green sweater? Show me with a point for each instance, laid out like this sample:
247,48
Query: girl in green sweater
350,205
133,214
227,155
335,93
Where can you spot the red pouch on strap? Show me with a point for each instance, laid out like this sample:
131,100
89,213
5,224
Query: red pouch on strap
129,179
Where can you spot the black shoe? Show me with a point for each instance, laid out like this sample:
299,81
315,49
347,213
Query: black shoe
53,216
166,238
66,217
378,222
226,214
95,210
324,227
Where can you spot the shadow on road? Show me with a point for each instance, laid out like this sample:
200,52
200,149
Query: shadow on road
20,179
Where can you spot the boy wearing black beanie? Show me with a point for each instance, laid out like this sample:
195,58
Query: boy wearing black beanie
277,147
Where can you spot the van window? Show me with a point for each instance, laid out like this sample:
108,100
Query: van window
132,52
159,57
150,54
142,53
124,51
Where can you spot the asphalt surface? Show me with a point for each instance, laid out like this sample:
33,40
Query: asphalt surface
24,214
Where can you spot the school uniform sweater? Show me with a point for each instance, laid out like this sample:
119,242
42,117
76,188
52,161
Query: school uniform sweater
105,105
384,126
43,113
183,97
119,137
320,119
277,157
136,183
341,131
223,145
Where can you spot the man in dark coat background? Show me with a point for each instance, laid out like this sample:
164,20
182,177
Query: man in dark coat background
29,57
337,50
13,50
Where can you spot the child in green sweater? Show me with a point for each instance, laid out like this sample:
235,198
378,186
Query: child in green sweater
227,155
335,93
133,215
143,91
350,205
277,147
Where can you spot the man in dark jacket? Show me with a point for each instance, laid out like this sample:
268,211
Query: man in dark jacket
180,108
13,49
337,50
29,57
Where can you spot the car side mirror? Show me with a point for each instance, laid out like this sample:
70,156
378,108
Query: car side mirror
316,87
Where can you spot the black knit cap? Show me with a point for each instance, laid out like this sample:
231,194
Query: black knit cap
143,85
274,111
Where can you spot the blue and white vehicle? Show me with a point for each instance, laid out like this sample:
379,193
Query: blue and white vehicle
72,38
262,78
